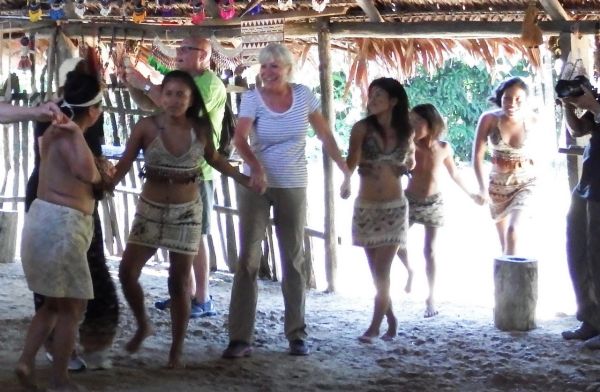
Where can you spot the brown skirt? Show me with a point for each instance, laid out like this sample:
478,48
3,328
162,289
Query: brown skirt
510,191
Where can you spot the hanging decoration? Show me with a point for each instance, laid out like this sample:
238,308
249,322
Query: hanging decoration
56,10
226,10
225,58
198,13
256,34
80,8
166,8
285,5
25,61
105,7
319,5
161,57
531,34
139,12
34,8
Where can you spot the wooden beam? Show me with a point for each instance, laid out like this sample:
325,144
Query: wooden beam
555,10
339,30
326,79
370,10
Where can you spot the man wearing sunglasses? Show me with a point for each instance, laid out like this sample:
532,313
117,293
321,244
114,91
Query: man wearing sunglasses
193,56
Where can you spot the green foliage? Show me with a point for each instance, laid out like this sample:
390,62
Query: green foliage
460,93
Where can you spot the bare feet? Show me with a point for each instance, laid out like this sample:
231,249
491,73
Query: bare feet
26,377
368,336
175,360
430,310
409,280
141,334
392,329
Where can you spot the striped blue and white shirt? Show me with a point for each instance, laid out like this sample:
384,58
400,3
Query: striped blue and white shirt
279,139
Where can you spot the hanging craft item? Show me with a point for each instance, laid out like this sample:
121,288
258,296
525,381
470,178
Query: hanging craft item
24,61
198,13
166,8
285,4
105,7
319,5
34,9
80,8
256,34
161,57
226,9
531,34
139,12
56,9
225,58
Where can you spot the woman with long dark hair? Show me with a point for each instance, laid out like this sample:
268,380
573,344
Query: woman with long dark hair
382,147
507,130
169,210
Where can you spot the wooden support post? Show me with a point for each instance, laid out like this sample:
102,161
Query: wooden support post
324,39
309,272
516,292
231,244
8,235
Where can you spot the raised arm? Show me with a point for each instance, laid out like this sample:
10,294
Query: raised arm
479,148
145,94
45,112
324,134
581,126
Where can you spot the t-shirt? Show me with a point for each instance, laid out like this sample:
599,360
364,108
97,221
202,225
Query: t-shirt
214,95
279,139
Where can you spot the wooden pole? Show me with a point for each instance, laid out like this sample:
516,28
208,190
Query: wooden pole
324,39
51,63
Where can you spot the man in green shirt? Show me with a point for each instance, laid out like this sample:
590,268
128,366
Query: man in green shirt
193,56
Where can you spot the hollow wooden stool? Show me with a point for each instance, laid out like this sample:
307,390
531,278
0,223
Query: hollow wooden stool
515,292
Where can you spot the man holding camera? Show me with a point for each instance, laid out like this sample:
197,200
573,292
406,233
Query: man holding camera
583,220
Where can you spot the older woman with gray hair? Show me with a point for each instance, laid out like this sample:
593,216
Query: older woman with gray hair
271,138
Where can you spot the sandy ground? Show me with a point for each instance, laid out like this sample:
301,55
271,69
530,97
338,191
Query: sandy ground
458,350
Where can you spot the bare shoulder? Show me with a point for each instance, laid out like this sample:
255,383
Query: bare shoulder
490,116
444,148
360,127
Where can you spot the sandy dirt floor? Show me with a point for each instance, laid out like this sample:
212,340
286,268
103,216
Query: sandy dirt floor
458,350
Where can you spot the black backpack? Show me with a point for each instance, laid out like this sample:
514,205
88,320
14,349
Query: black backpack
228,127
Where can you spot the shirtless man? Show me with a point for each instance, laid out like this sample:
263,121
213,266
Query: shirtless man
57,233
426,205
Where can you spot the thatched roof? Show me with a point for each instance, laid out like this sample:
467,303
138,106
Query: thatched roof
399,34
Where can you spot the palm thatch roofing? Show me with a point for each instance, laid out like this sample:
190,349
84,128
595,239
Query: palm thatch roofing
398,34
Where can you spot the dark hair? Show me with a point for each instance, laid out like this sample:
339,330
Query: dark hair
496,97
400,121
197,110
79,88
435,121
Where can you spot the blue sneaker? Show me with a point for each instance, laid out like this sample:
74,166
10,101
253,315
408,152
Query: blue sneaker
206,309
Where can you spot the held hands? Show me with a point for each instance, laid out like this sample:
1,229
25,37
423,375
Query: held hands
107,172
478,198
64,123
345,189
258,180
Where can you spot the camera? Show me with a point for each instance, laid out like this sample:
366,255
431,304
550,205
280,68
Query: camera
573,88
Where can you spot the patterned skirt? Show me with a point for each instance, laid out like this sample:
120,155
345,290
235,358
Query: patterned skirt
174,227
376,224
428,211
510,191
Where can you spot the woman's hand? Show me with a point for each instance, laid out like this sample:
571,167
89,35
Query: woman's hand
345,189
478,198
66,124
258,180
